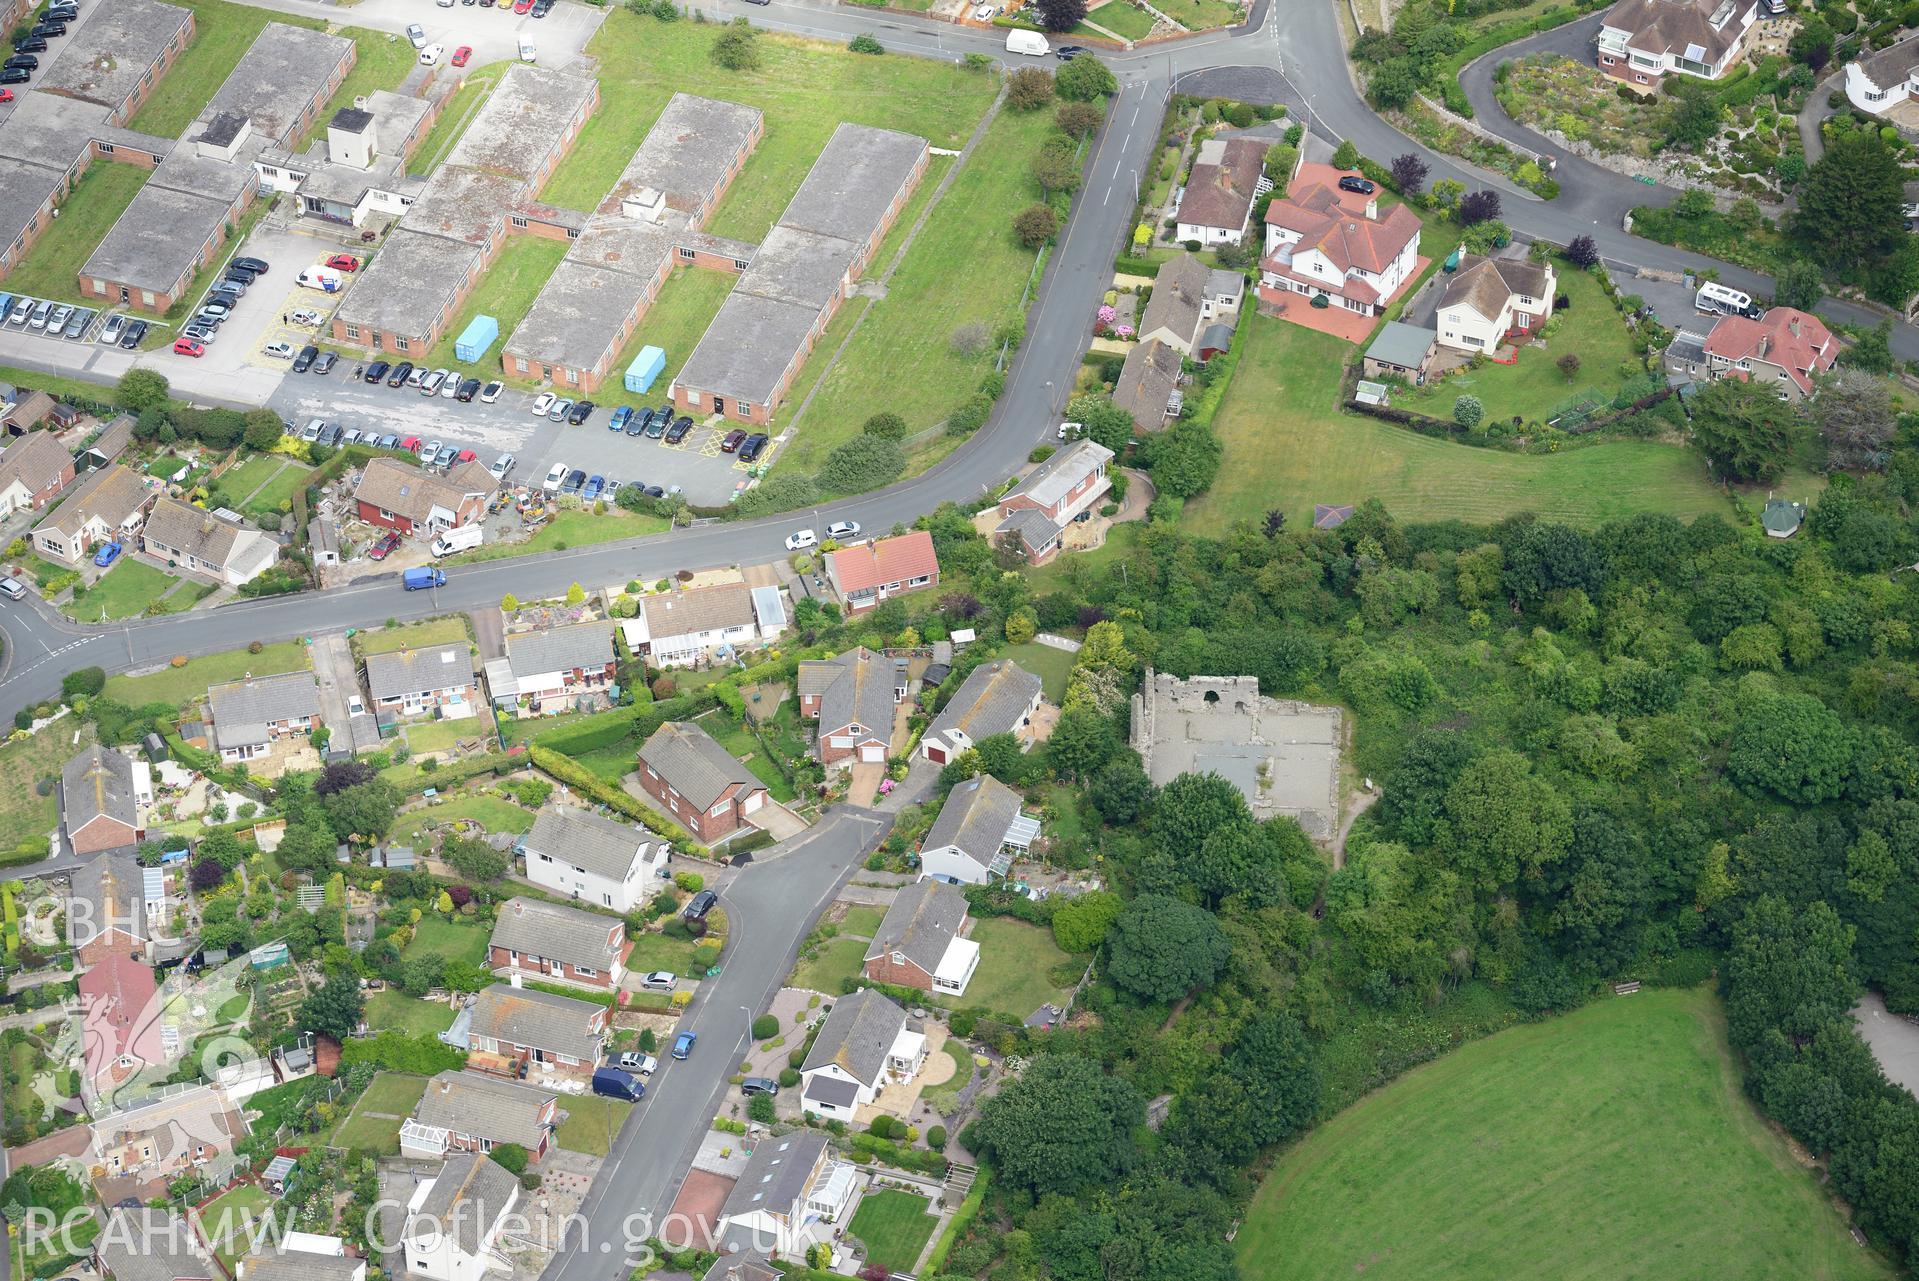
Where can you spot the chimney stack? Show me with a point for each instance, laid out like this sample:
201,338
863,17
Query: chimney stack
1792,325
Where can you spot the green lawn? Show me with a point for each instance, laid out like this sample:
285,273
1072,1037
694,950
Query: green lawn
591,1122
428,631
738,741
393,1008
1613,1142
239,482
658,952
806,88
862,921
222,33
675,321
1532,387
374,1123
579,528
1200,15
505,292
1052,666
230,1217
176,685
453,121
436,737
894,1225
279,492
124,591
839,959
1288,448
51,268
964,268
1014,958
464,941
494,813
1123,20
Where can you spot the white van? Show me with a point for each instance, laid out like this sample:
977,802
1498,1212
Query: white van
463,539
430,56
529,52
1018,41
317,277
1722,300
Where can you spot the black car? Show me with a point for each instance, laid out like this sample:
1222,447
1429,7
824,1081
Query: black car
752,447
399,375
1358,186
677,432
699,905
377,371
637,421
30,44
542,7
664,414
14,75
304,361
49,30
575,479
1068,52
258,266
468,390
26,60
130,336
582,409
239,278
653,491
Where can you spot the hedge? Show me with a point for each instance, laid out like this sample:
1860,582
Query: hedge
961,1220
397,1052
637,720
588,784
575,993
461,770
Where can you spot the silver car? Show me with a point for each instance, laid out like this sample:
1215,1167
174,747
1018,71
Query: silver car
561,408
40,313
57,318
501,466
431,383
22,309
78,322
110,332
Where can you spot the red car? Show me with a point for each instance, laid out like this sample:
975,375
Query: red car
384,548
732,442
462,55
522,6
465,456
411,444
188,347
343,262
6,95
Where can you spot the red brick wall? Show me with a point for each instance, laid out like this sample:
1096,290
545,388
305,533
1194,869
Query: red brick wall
371,514
101,834
882,970
500,958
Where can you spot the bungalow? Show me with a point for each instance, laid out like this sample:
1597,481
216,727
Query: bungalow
789,1196
106,908
107,506
1218,199
977,833
33,471
1878,82
415,682
1323,241
551,670
1642,41
301,1257
251,715
397,496
852,696
996,698
513,1028
1148,386
1490,301
556,943
194,539
596,860
454,1220
865,574
920,943
1035,512
100,806
1188,298
119,1003
472,1112
167,1135
698,782
678,628
150,1245
866,1043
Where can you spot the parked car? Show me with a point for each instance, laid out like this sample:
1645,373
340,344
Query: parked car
204,333
753,446
304,361
491,392
558,411
57,318
326,362
26,60
399,373
417,34
428,453
466,456
843,530
581,411
800,539
660,981
78,322
615,1084
1358,186
683,1045
280,350
38,320
501,466
30,44
216,308
384,547
389,441
554,478
105,556
522,6
542,403
416,375
351,438
700,904
594,486
334,435
759,1085
542,7
660,422
467,390
14,75
110,332
575,482
431,383
637,1063
732,442
133,335
258,266
620,415
411,444
636,424
463,54
343,262
430,56
677,432
445,458
654,491
21,313
1068,52
184,346
306,316
450,387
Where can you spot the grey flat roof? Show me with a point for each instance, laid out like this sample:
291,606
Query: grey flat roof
745,351
185,169
156,240
797,266
858,173
679,153
577,317
105,57
277,76
523,122
403,289
26,190
463,203
48,129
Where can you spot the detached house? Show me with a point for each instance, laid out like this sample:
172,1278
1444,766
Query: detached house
1218,200
107,909
1784,350
920,943
150,1245
594,859
1148,386
33,471
107,506
703,786
852,696
456,1218
251,715
681,627
393,495
473,1112
1878,82
1035,512
561,944
100,800
1643,41
199,542
790,1195
515,1031
1324,241
551,670
866,1043
996,698
1189,300
867,573
1490,301
415,682
977,833
120,1035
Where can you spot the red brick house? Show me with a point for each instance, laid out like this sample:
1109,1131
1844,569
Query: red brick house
394,495
558,944
867,573
852,696
1035,512
920,944
694,779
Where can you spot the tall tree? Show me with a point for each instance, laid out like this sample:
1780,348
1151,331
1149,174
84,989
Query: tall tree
1162,948
1799,284
1851,206
1061,15
1744,431
1062,1126
1854,415
334,1009
1409,173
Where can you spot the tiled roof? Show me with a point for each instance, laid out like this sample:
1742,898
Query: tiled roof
243,709
698,609
117,994
991,700
859,693
1147,380
130,1252
522,1016
1484,284
1219,194
922,922
192,531
533,928
99,783
415,671
470,1193
109,885
876,563
1035,530
694,765
857,1035
112,493
1891,65
560,649
1796,341
600,845
1179,294
392,485
975,819
1680,27
1349,240
485,1106
288,1264
36,460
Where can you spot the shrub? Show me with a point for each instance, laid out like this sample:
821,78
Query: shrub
936,1138
735,49
1035,225
690,882
760,1108
863,43
766,1027
510,1156
1028,88
789,1077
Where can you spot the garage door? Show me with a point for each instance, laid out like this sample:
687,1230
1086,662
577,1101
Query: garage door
937,755
872,752
753,802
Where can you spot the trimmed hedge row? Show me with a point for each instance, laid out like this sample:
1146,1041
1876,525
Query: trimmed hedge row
588,784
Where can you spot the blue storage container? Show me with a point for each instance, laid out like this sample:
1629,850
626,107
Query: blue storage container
472,344
645,368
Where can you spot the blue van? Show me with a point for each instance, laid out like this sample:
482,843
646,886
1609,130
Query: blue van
615,1084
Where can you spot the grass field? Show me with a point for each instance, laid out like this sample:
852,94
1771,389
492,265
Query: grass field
374,1123
659,952
675,321
1532,386
51,268
839,959
581,528
1613,1142
393,1008
505,292
894,1225
494,813
453,121
465,941
238,483
1123,20
591,1122
1014,958
428,631
222,33
178,684
1052,666
124,591
277,495
1287,447
425,738
806,88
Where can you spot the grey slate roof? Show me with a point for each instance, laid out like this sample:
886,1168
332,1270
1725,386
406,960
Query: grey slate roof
1053,479
1034,528
523,1016
698,609
533,928
777,1174
924,920
741,1267
193,531
413,671
859,690
857,1035
1179,294
110,886
468,1196
298,1265
131,1253
108,55
98,783
1891,65
242,709
476,1104
560,649
989,701
1402,345
586,840
831,1091
975,819
693,764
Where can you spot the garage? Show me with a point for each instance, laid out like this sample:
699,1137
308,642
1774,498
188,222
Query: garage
872,752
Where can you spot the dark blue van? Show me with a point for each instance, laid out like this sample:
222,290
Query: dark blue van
615,1084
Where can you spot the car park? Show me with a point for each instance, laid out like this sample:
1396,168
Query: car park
77,324
399,373
110,332
304,361
554,478
467,390
732,442
575,482
417,34
595,485
106,555
133,335
677,432
184,346
559,410
464,54
542,403
843,529
280,350
431,383
326,362
581,411
376,372
491,392
753,446
500,466
800,539
683,1045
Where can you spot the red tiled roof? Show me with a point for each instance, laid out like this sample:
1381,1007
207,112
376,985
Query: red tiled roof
1350,241
117,995
1796,341
1219,195
887,560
